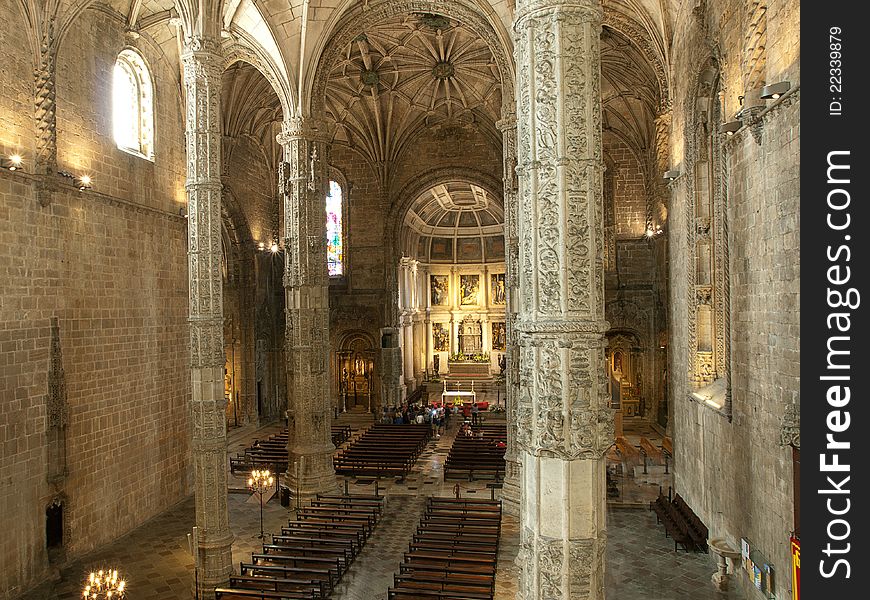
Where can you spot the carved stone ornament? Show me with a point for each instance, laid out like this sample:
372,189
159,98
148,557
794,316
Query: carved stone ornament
551,569
203,66
790,430
57,405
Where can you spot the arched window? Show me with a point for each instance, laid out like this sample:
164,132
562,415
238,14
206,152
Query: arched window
133,105
709,313
334,232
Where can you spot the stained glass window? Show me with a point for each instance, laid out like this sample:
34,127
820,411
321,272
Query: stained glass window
334,237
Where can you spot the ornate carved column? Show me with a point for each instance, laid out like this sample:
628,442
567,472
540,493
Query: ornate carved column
564,425
391,367
408,350
306,288
203,66
510,493
57,406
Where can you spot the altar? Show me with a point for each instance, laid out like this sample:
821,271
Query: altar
458,397
468,369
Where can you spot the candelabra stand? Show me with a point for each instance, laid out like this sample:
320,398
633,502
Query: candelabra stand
104,585
260,482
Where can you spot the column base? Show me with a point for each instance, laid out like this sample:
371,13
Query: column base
316,474
216,565
510,491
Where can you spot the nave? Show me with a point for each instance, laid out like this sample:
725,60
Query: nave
641,563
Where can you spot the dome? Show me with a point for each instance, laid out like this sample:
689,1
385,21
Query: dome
455,222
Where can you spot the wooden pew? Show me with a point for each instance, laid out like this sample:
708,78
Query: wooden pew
454,552
651,452
309,556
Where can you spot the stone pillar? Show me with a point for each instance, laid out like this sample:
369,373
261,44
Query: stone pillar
564,425
510,493
391,367
203,66
306,289
408,349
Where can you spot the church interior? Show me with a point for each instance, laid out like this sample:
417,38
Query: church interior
503,294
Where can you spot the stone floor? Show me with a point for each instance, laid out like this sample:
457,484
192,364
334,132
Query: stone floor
641,562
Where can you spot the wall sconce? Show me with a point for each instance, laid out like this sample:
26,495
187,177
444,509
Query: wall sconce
13,163
652,232
729,127
182,212
272,247
775,90
83,182
671,174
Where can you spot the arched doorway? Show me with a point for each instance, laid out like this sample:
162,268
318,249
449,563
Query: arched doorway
452,282
355,371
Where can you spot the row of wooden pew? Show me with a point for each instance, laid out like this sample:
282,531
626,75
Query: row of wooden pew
453,554
272,453
383,451
477,457
309,557
681,523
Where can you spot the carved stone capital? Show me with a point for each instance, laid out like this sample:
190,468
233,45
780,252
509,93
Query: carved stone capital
526,327
304,128
586,11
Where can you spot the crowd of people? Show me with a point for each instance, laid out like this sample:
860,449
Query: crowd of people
437,415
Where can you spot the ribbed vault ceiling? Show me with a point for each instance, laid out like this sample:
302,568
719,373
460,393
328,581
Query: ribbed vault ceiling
410,71
629,92
249,106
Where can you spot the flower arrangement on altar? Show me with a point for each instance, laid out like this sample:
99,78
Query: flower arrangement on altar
480,357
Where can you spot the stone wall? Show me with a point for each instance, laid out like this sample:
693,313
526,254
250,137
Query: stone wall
110,265
113,275
629,192
733,472
85,142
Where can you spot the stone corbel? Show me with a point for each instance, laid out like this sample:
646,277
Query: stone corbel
754,121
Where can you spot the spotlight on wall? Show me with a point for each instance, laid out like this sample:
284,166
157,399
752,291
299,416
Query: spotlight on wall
729,127
775,90
13,163
671,174
83,182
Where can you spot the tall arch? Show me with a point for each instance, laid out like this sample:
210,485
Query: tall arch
707,244
245,50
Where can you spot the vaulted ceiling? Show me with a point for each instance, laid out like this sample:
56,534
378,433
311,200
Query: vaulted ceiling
250,107
630,94
410,71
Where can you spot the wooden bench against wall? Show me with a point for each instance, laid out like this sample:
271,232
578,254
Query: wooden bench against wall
680,522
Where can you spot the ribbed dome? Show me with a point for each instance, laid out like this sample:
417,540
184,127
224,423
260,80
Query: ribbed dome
455,222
